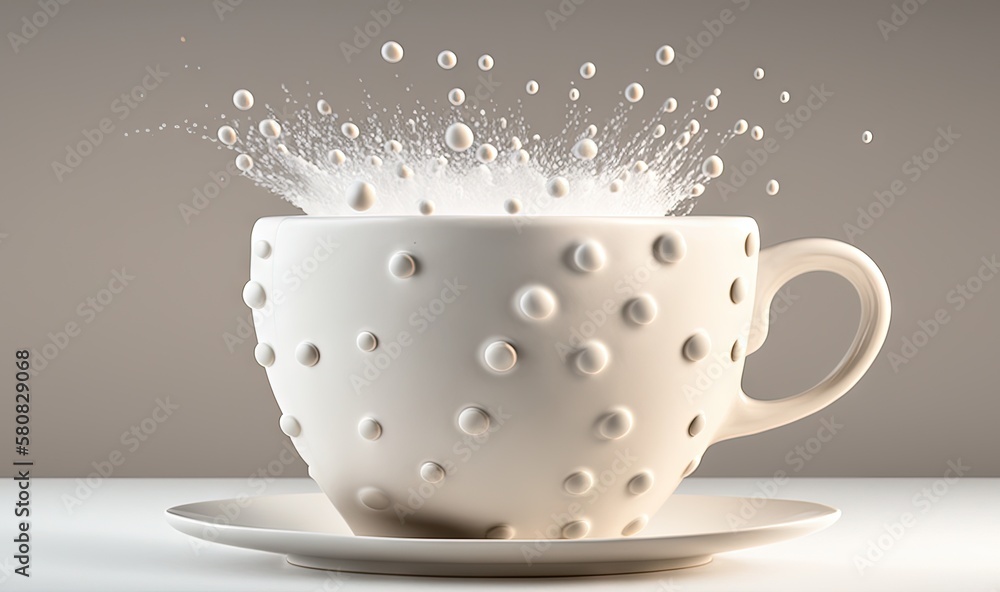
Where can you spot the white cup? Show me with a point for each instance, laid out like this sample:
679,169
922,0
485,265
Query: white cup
526,377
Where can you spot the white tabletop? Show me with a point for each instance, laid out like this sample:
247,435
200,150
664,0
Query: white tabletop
118,540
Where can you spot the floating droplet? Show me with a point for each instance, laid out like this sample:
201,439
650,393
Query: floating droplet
243,99
772,187
588,70
447,59
665,55
759,73
531,87
458,137
712,167
485,62
741,127
269,128
486,153
784,96
633,92
244,162
757,132
336,156
557,186
866,136
361,196
670,105
456,96
392,52
323,107
350,130
585,149
227,135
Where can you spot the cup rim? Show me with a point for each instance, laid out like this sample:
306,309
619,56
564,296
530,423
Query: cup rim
507,219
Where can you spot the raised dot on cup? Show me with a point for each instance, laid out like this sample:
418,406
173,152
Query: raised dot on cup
473,421
576,529
752,244
592,358
635,526
432,472
254,295
366,341
698,346
370,429
537,303
501,531
697,425
589,256
262,249
670,247
641,483
264,354
615,424
642,309
289,426
500,356
307,354
738,291
373,498
579,482
402,265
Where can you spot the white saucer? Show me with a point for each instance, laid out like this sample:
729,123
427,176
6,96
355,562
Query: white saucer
686,532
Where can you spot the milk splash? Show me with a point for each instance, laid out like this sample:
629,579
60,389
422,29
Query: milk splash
482,159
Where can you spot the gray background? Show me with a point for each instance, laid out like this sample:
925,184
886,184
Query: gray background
163,335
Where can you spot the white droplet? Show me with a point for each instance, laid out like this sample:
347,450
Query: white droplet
456,96
616,186
403,171
537,303
425,207
784,96
282,149
772,187
227,135
665,55
458,137
375,161
531,87
670,105
866,136
557,186
574,94
244,162
757,132
392,52
683,139
712,167
485,62
447,59
473,421
694,126
323,107
350,130
336,156
512,205
759,73
697,189
514,143
520,157
717,92
361,196
711,102
366,341
633,92
269,128
659,130
243,99
393,146
639,167
486,153
585,149
592,130
588,70
741,127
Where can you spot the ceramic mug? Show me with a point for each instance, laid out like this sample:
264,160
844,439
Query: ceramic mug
550,377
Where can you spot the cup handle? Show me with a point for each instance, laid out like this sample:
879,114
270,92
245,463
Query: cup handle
778,265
